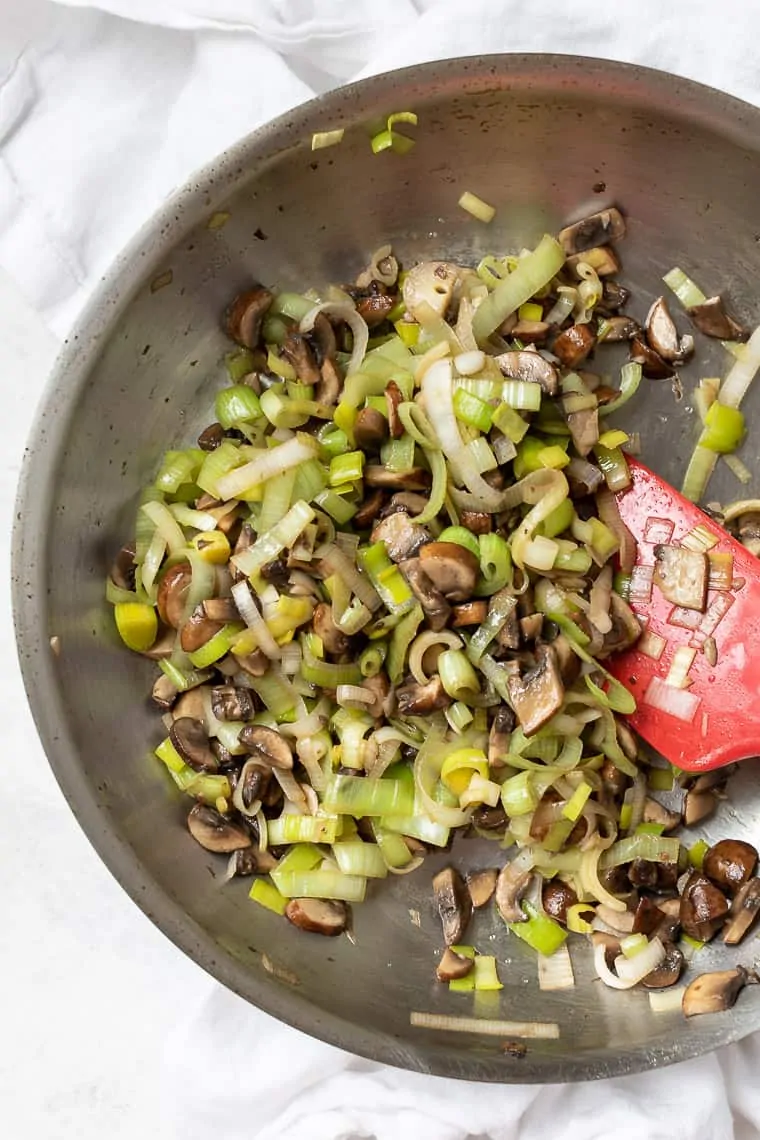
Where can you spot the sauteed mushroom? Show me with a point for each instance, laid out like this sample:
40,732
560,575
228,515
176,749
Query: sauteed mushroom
245,315
319,916
266,745
451,568
714,992
189,738
597,229
538,694
730,863
662,334
453,903
712,319
531,368
453,966
216,832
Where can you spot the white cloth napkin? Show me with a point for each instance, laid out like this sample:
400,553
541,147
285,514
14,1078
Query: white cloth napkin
104,109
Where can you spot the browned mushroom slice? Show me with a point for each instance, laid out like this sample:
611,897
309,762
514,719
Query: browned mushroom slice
477,522
669,926
172,593
266,745
380,687
647,916
370,429
323,339
415,479
435,607
489,818
531,368
613,780
509,636
539,693
481,885
502,728
657,877
614,296
682,576
197,630
597,229
253,782
469,613
248,861
319,916
189,737
374,308
511,885
668,972
403,538
123,569
712,319
621,328
330,384
451,568
584,429
369,510
583,478
221,609
452,966
703,907
298,352
192,704
452,900
698,806
164,692
662,334
216,832
229,702
411,502
573,345
323,624
715,992
743,914
652,364
531,332
393,398
245,315
255,664
730,863
211,437
557,897
655,812
414,699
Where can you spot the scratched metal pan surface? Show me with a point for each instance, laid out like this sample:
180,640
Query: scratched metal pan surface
545,139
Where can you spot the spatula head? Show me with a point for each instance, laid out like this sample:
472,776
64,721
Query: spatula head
715,719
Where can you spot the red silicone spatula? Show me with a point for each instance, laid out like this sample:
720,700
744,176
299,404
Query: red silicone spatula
715,719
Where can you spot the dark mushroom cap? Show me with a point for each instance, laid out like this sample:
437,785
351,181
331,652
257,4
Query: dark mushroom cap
452,966
172,593
216,832
369,509
451,568
556,898
319,916
370,429
231,702
197,630
298,352
435,607
530,367
703,907
211,437
481,885
454,904
714,992
730,863
123,568
374,308
334,640
245,315
403,538
414,699
662,334
652,364
489,818
597,229
744,911
573,345
539,693
668,972
712,319
266,745
189,737
511,885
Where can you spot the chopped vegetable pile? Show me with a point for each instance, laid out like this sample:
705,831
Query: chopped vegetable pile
381,590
